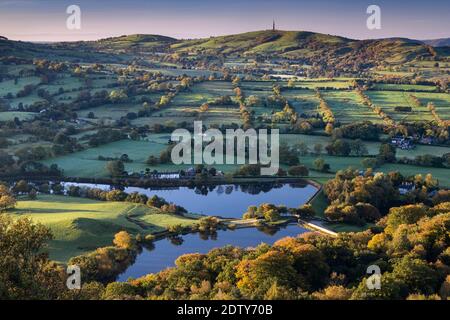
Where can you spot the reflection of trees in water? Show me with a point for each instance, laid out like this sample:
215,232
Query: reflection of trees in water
268,230
298,185
150,246
203,190
251,188
261,187
208,235
228,189
176,240
166,188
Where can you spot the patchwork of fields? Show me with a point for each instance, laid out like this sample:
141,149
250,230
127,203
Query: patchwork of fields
344,102
86,164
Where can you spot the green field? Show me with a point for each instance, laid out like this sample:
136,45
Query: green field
25,101
180,72
86,164
80,225
347,107
111,111
261,89
303,101
65,81
406,87
203,92
341,163
11,115
440,100
372,146
217,115
9,86
388,100
164,120
311,84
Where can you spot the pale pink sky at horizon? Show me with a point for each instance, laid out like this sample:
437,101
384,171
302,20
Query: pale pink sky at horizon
45,20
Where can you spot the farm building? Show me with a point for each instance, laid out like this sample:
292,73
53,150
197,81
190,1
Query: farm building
406,187
403,143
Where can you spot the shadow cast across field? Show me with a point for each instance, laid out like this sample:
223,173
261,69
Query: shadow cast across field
96,227
55,198
49,211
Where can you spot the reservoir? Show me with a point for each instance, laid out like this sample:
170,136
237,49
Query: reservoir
231,201
166,251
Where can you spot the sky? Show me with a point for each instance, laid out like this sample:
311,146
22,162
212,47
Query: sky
45,20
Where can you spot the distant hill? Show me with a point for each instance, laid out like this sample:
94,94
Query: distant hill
136,41
74,52
329,51
108,49
310,47
303,45
443,42
262,42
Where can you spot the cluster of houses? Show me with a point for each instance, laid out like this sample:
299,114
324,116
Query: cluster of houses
406,187
188,173
404,143
408,143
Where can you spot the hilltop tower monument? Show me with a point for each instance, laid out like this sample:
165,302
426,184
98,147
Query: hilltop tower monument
273,25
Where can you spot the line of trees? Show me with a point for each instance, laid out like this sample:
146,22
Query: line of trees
366,101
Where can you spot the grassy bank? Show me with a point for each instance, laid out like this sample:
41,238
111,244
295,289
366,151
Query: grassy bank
81,225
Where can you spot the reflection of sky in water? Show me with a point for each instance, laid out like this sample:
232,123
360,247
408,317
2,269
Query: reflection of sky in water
231,201
165,253
226,200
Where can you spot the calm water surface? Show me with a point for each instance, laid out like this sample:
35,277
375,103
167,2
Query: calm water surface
166,251
227,200
224,200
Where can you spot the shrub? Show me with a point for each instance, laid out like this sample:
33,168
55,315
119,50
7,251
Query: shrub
123,240
298,171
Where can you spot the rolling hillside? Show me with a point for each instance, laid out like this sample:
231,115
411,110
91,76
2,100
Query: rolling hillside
263,42
73,51
443,42
309,47
302,45
135,42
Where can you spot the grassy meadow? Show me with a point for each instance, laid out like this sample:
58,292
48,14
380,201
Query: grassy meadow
81,225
